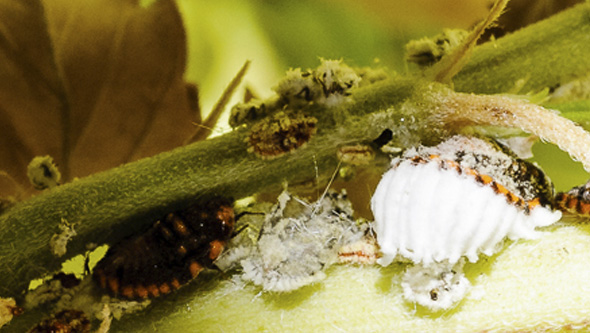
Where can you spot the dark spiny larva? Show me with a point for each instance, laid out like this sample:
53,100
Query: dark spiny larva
168,255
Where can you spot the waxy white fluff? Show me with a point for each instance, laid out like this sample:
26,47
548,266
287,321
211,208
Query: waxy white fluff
429,215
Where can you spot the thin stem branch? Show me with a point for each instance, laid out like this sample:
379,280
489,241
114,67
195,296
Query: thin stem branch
451,64
545,54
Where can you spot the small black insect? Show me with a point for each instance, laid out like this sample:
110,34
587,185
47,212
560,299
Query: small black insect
169,254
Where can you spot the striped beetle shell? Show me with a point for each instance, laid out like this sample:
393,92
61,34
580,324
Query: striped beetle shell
169,254
460,198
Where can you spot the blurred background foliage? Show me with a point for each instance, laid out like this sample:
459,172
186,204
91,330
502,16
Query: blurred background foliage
278,35
99,83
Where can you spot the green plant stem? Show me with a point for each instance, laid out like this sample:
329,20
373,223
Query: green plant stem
450,65
107,206
545,54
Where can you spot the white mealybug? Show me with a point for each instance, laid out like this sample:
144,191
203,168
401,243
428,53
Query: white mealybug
299,241
438,205
59,242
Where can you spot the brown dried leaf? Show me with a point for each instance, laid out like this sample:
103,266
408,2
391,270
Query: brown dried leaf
93,83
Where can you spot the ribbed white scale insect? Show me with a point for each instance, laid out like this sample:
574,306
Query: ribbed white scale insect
463,197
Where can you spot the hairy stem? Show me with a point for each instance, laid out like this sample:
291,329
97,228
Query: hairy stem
109,205
450,65
106,207
531,118
542,55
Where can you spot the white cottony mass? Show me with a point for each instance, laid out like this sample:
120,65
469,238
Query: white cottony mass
459,199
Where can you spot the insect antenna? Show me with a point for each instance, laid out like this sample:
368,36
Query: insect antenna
318,202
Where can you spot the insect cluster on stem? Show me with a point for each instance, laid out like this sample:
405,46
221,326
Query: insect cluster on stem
170,253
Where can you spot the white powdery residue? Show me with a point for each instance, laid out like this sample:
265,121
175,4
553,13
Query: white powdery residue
521,145
448,148
429,50
105,324
334,100
243,243
82,297
119,307
299,241
298,88
7,310
328,85
436,286
488,159
48,291
244,112
336,77
59,242
530,118
231,257
475,153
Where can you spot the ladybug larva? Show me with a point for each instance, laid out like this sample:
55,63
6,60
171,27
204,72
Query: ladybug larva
576,201
169,254
438,205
